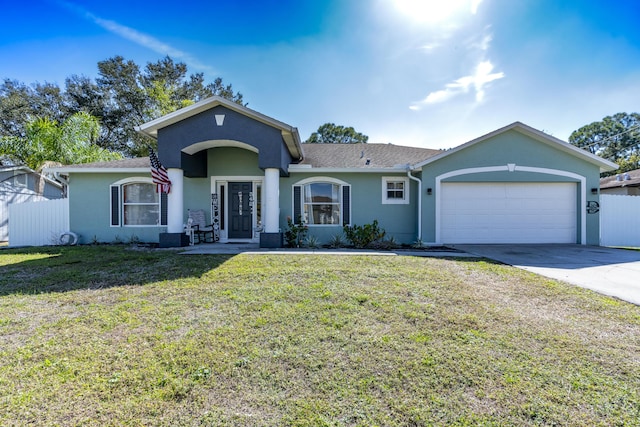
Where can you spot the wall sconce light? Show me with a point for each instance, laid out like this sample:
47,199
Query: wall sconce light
594,191
429,191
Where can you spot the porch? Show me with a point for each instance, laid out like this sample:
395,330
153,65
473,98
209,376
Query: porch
227,160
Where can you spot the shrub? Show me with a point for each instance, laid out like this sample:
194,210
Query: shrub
296,234
337,241
417,244
363,236
312,242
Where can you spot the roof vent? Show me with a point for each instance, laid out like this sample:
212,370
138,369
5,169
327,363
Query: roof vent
368,162
362,154
627,177
618,178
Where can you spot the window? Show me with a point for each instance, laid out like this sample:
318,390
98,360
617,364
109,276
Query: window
140,204
322,202
135,203
395,190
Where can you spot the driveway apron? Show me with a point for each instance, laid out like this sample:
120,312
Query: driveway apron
614,272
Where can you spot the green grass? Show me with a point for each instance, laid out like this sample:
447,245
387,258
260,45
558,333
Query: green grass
99,336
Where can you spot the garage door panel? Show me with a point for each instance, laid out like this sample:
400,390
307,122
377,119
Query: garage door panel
508,212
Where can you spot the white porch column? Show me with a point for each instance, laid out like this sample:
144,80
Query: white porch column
272,200
175,201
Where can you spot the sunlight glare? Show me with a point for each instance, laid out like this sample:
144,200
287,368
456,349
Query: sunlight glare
435,11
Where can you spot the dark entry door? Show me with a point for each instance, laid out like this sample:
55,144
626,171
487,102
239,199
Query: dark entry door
240,215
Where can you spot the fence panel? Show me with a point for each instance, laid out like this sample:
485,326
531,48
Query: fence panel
619,220
8,196
38,223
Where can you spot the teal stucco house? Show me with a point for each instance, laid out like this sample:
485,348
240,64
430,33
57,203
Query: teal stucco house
250,172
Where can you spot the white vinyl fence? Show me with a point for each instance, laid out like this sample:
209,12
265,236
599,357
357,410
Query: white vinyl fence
619,220
10,195
38,223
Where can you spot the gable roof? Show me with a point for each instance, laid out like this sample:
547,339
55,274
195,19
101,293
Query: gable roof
289,133
625,179
355,156
605,165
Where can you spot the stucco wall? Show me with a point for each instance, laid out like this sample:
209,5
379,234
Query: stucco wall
398,220
89,210
512,147
237,127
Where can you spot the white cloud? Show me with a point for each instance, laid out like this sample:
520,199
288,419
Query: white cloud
436,12
431,46
478,81
138,37
474,6
486,42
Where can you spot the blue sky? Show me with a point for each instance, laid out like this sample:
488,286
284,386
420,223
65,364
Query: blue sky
422,73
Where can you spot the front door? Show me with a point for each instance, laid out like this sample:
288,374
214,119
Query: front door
240,212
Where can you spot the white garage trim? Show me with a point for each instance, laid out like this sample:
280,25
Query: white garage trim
511,167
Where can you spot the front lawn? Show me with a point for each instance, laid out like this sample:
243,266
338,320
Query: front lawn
108,335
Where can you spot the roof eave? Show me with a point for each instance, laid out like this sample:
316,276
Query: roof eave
98,170
346,170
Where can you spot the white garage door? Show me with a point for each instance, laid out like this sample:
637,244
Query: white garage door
495,212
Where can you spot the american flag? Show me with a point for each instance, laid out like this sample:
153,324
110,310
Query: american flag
159,173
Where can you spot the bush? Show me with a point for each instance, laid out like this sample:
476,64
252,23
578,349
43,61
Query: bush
312,242
296,234
337,241
363,236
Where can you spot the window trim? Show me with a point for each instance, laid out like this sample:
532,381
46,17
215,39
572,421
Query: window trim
406,191
119,221
343,186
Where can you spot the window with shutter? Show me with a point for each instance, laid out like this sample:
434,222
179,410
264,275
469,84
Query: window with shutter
134,203
322,202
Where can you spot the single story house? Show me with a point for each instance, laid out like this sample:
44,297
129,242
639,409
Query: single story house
19,184
250,172
625,184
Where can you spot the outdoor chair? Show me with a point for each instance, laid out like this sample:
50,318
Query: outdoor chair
202,231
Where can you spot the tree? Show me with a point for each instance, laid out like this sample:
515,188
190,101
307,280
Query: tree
20,103
330,133
615,137
123,96
46,142
130,96
626,165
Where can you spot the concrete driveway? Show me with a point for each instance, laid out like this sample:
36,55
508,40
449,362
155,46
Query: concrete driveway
614,272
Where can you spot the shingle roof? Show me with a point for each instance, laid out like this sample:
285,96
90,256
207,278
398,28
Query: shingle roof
356,155
346,156
620,180
138,162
